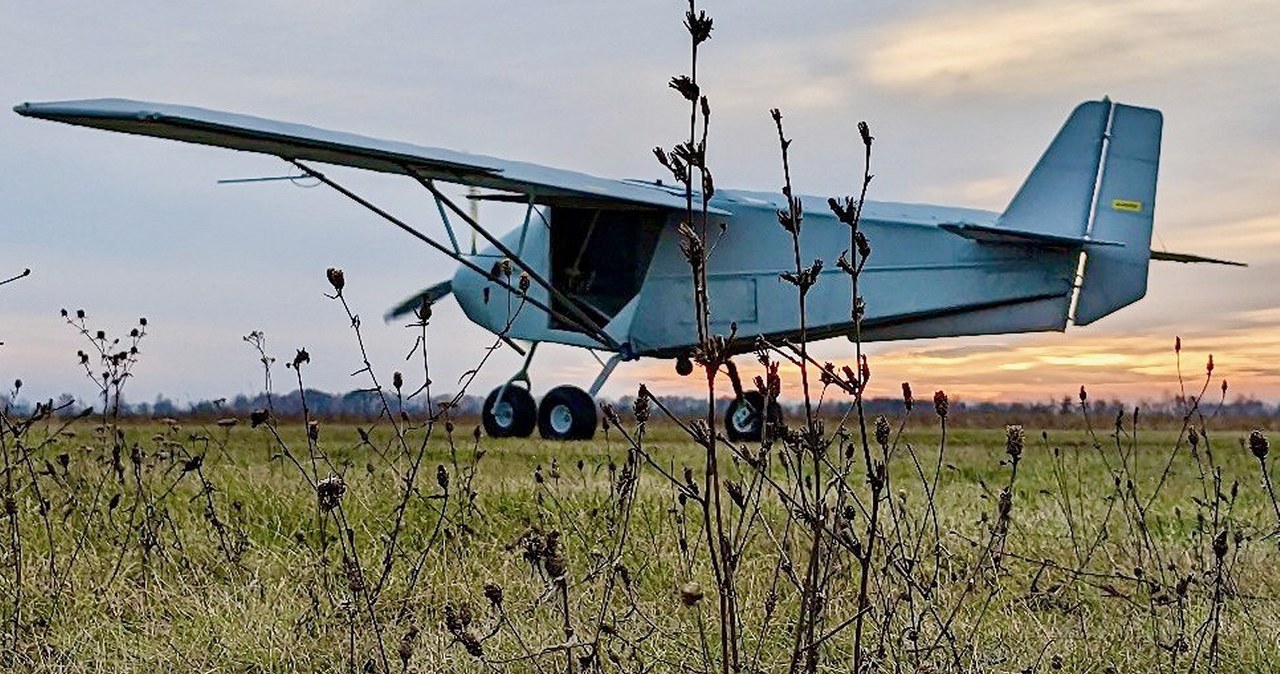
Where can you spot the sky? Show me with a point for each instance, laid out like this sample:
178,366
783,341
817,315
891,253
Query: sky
962,97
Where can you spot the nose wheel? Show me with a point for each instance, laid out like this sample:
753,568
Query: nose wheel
509,412
567,413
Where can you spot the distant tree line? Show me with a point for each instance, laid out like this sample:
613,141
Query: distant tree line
365,404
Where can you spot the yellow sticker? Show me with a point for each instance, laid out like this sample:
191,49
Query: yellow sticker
1126,205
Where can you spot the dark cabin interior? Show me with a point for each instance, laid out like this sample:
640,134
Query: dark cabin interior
599,257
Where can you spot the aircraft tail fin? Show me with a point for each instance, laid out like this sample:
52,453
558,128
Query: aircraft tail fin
1123,211
1057,195
1095,186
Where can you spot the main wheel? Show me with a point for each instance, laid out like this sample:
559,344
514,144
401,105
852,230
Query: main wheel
745,420
567,413
511,417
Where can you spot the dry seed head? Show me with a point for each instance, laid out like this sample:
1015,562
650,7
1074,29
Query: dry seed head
699,25
701,432
355,577
641,405
1015,439
690,593
336,278
493,592
687,87
471,642
452,622
330,491
941,404
553,561
1258,444
1005,503
907,400
735,493
397,380
864,247
826,374
1220,545
882,431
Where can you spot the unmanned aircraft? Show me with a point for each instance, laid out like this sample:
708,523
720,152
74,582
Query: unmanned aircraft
605,272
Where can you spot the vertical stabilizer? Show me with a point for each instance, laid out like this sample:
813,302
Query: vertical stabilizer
1116,276
1058,194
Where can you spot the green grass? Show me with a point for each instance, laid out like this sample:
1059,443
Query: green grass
284,602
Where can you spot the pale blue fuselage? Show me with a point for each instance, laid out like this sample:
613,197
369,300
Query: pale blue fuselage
918,280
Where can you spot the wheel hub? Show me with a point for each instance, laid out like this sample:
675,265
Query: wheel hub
561,419
503,414
744,418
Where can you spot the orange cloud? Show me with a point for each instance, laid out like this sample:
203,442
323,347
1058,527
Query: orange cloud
1042,46
1047,366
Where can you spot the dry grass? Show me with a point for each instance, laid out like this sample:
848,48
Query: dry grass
283,603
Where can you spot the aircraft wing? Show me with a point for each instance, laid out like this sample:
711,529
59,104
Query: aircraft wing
297,141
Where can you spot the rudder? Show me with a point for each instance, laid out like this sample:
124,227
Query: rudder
1123,211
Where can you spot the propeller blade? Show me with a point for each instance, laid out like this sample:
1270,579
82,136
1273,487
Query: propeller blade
433,293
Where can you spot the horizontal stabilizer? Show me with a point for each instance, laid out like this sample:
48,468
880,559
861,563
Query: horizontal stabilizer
431,294
1189,258
999,235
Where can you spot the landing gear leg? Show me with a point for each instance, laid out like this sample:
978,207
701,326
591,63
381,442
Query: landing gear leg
509,410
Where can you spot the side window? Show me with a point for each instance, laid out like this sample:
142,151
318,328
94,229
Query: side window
599,257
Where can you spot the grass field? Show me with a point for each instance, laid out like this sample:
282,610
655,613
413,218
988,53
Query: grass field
227,563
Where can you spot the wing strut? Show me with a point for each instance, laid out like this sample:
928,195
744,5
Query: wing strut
574,307
588,328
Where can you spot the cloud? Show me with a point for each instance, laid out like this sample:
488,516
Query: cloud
1257,235
1047,46
1129,366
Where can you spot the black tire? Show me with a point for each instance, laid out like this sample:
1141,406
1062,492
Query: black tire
515,419
744,422
567,413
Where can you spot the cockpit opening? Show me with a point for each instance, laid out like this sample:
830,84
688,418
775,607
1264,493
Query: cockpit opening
599,257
